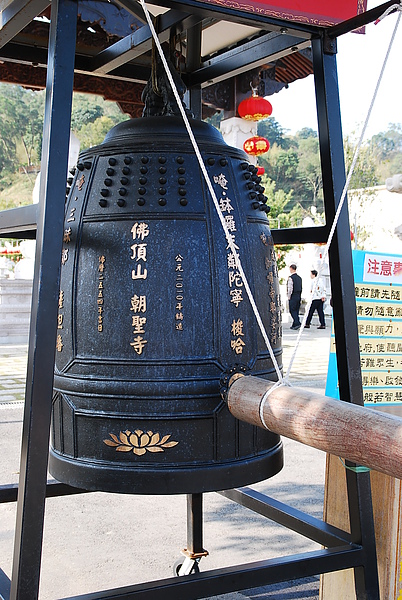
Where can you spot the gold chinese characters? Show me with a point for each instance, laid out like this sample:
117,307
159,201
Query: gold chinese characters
138,306
100,299
179,293
60,318
235,281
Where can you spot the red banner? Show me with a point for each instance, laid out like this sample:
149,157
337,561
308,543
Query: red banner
313,12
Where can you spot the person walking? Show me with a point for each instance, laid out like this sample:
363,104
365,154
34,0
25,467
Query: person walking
318,299
294,290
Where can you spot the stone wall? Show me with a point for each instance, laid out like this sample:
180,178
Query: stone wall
15,310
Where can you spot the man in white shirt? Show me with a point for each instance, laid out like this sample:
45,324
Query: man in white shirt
318,299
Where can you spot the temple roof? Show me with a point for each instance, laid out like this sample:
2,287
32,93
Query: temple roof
113,49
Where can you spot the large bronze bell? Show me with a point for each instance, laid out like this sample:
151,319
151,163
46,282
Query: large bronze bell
153,316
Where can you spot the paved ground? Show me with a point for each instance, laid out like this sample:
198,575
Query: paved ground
99,541
13,363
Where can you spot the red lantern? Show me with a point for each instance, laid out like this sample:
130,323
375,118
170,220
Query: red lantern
256,145
260,171
255,108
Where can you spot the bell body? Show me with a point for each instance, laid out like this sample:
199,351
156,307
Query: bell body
153,313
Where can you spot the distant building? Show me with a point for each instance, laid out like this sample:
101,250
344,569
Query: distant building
377,214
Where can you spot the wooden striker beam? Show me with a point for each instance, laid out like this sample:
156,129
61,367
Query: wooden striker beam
361,435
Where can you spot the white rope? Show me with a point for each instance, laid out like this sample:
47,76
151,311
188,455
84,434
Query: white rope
265,397
347,183
389,10
212,192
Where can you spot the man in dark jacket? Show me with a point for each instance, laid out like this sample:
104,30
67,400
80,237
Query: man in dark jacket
294,289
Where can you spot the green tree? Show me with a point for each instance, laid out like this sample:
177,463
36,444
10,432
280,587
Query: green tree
31,134
94,133
281,166
92,117
387,143
387,147
8,147
275,133
362,183
309,171
365,171
306,133
281,215
392,167
21,125
86,109
27,109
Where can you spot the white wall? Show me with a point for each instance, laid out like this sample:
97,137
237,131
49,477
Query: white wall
380,214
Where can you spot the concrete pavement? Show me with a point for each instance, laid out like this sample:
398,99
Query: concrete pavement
99,541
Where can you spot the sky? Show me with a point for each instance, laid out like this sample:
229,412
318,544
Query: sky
359,59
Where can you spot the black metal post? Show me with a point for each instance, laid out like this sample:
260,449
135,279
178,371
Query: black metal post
194,524
344,304
42,338
193,63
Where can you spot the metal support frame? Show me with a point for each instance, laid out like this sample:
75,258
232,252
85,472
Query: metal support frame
39,383
193,62
194,524
194,550
344,304
342,550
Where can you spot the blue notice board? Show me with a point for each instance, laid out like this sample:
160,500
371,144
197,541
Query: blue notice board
378,290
